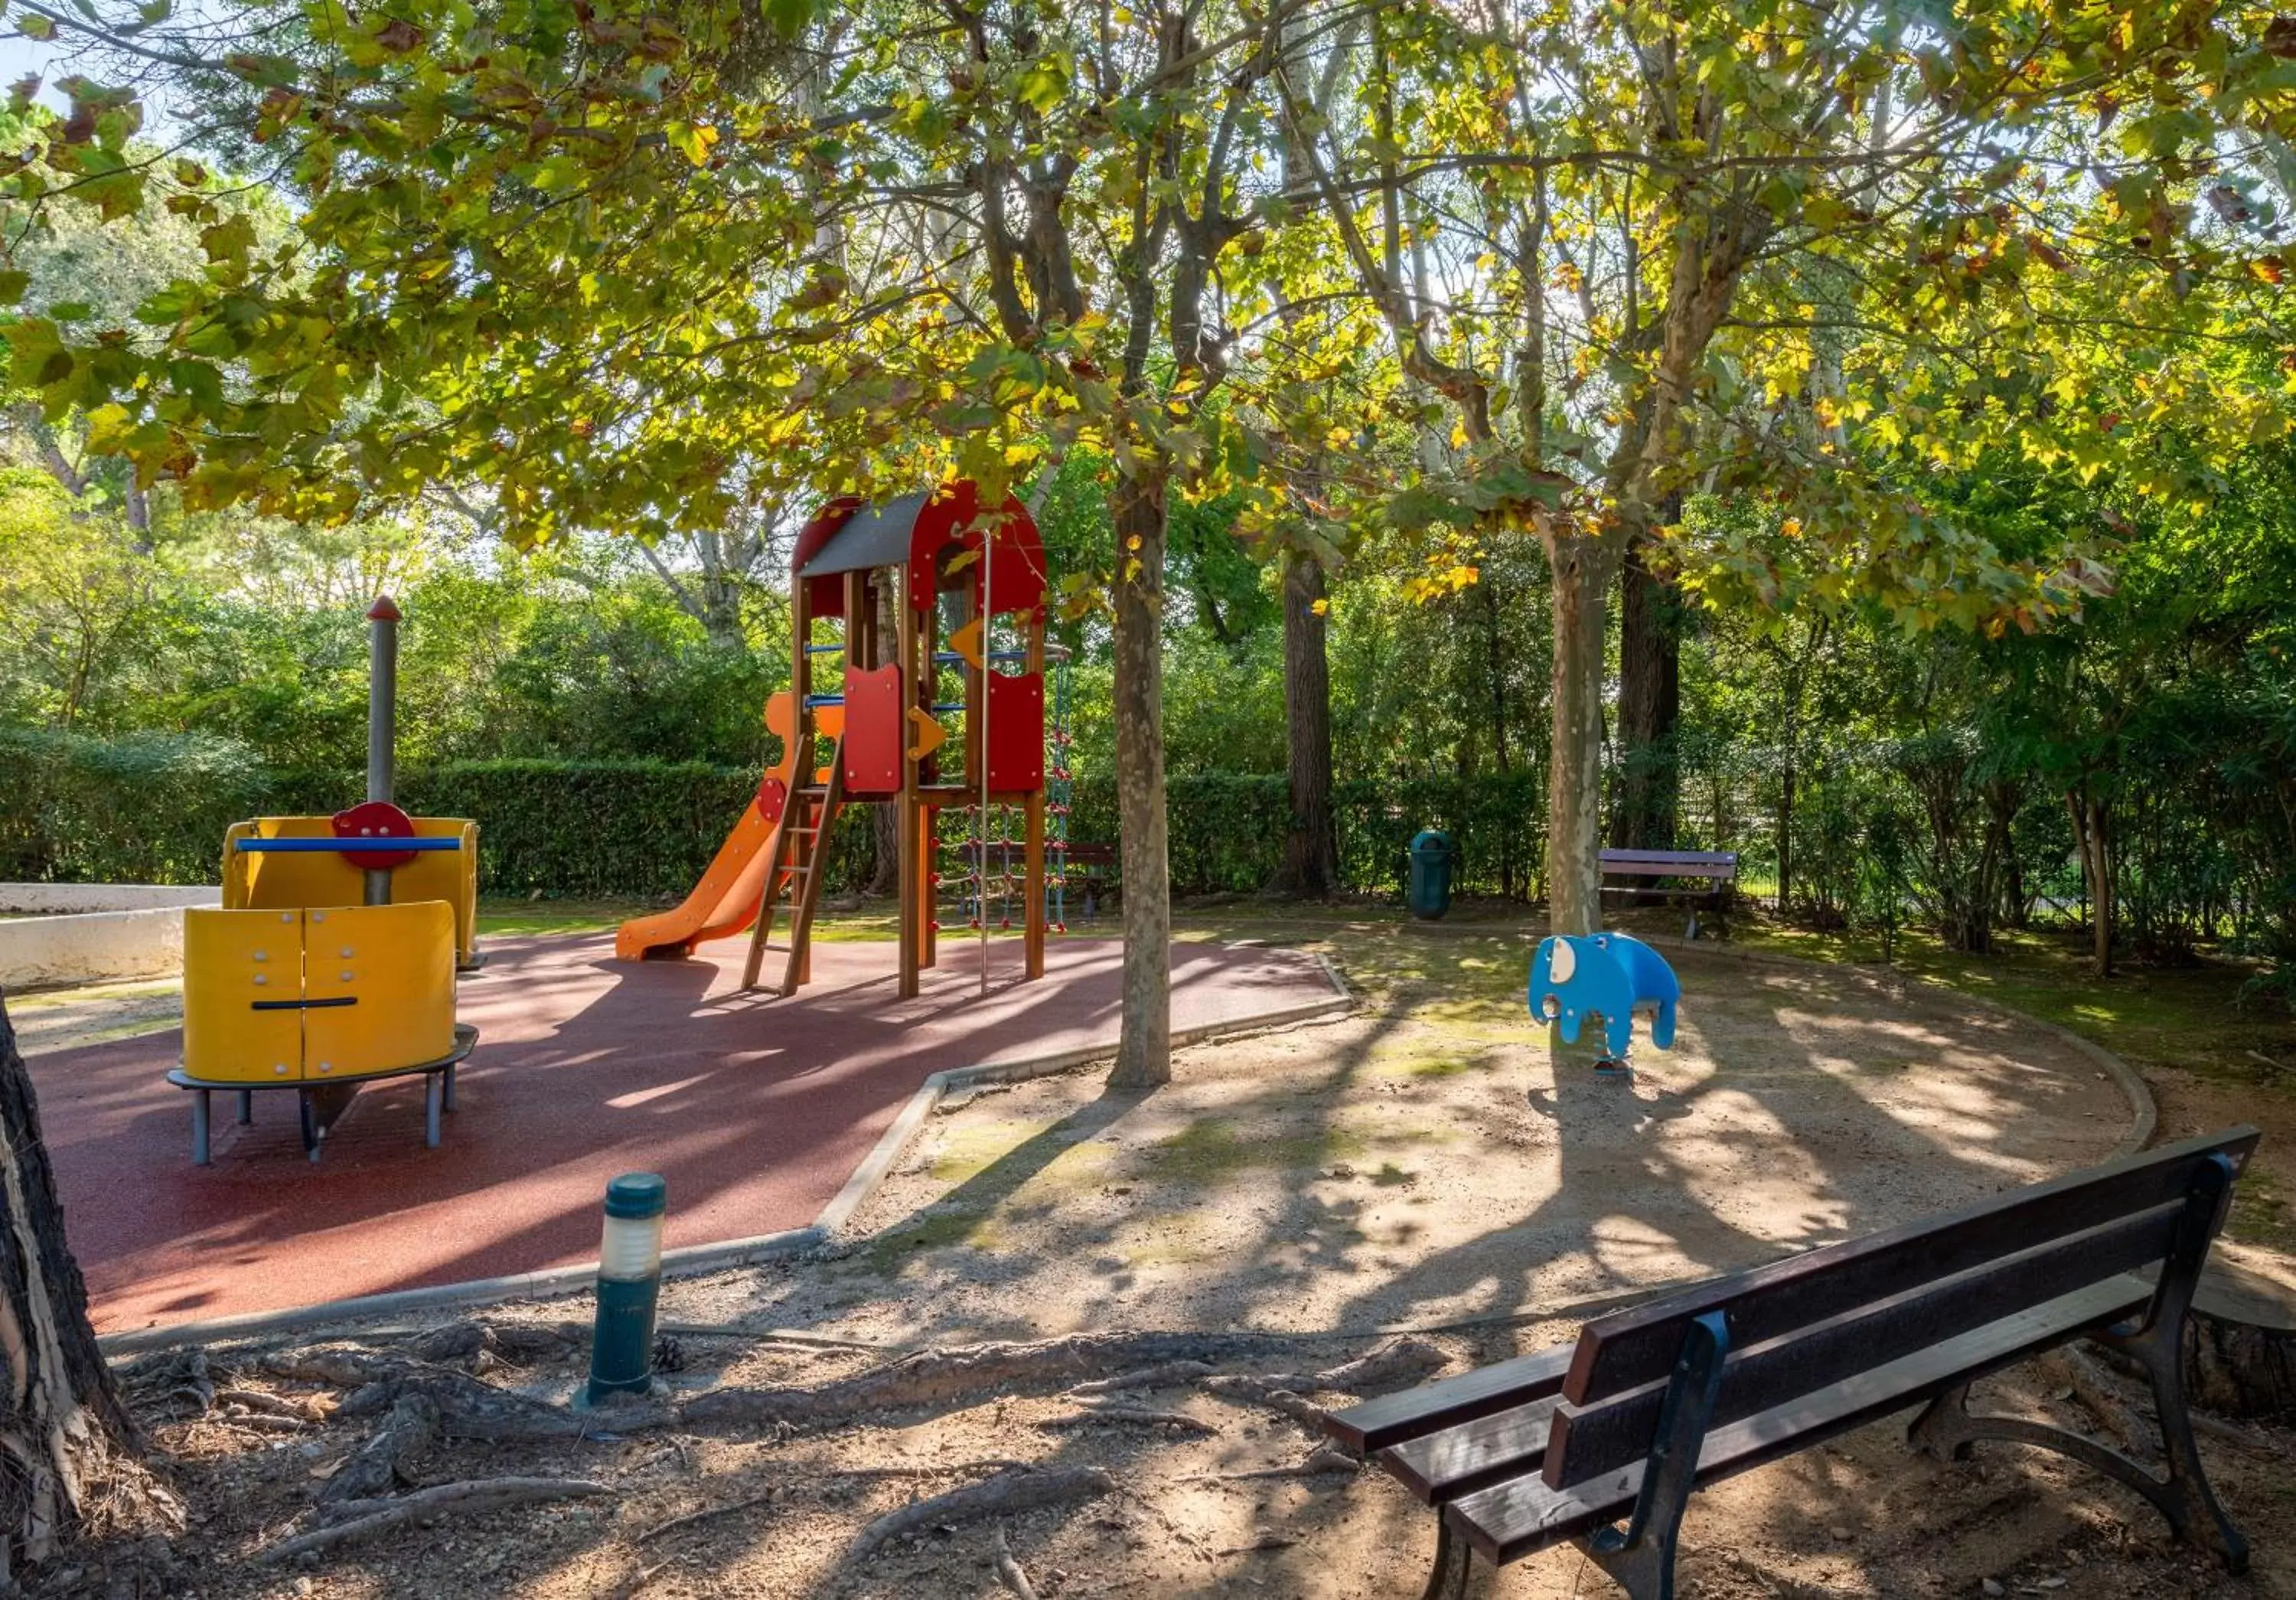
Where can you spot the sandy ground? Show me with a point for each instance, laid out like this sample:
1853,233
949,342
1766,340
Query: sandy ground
1427,1164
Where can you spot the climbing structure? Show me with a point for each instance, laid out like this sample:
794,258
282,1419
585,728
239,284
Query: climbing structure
872,588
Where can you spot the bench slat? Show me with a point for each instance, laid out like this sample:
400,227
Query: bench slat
1393,1418
1457,1461
1588,1444
1701,857
1523,1515
1638,1346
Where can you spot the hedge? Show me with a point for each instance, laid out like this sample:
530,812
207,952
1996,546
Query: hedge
153,809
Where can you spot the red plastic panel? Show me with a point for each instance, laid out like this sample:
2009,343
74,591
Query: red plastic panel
1016,562
873,731
949,509
773,796
825,596
1016,731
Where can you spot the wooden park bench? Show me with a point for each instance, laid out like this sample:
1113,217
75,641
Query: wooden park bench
1653,1401
1713,871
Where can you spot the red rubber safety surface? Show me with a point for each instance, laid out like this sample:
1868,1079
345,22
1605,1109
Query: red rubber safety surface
756,1109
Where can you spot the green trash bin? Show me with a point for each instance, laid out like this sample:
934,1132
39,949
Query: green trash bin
1431,855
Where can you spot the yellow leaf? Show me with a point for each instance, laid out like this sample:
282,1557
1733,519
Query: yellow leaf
1322,608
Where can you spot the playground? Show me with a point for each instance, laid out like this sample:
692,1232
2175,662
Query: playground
895,1193
756,1109
1424,1180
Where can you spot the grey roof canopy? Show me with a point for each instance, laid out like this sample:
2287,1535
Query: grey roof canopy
875,536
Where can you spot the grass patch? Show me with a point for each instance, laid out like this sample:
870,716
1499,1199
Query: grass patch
1208,1150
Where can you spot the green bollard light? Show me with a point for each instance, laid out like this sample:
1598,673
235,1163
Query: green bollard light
629,1283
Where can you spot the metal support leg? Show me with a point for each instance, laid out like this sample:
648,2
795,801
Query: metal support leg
434,1095
246,1107
200,1113
450,1087
1454,1565
1640,1556
1947,1427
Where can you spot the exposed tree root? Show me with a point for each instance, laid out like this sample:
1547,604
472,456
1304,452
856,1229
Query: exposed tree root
1135,1416
447,1499
1005,1493
383,1463
1146,1377
468,1408
1323,1459
708,1513
519,1343
940,1377
2100,1394
1008,1570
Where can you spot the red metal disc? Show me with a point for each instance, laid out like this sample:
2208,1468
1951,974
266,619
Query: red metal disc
375,819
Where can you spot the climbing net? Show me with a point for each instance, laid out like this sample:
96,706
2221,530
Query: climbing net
987,846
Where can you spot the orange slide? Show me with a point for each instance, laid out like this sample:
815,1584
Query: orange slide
725,901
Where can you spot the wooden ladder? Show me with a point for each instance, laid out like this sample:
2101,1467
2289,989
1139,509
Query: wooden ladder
800,845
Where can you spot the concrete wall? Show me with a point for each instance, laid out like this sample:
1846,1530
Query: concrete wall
93,932
65,899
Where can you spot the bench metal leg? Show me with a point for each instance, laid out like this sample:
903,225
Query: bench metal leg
2156,1342
1639,1557
200,1116
1454,1565
246,1107
449,1100
434,1097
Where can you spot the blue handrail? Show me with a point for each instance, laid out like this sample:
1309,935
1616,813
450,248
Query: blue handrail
359,845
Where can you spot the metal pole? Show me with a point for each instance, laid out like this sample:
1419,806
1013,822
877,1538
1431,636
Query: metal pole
381,722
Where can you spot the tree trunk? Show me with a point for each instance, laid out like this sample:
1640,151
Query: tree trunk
1785,834
1311,852
1144,1051
1583,570
71,1465
1650,710
2093,838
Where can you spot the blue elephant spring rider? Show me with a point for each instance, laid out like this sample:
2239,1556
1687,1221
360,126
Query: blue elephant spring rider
1607,975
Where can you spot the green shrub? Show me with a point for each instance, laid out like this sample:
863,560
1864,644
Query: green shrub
153,809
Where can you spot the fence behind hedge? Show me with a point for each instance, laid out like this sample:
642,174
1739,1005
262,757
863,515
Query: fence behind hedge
153,809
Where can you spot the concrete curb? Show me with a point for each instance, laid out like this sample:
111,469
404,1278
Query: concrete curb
691,1260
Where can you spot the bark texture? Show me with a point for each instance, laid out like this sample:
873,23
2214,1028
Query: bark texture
68,1461
1311,850
1650,710
1585,566
1144,1052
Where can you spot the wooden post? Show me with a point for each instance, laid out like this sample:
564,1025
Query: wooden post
793,808
1032,881
927,691
1032,872
913,882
